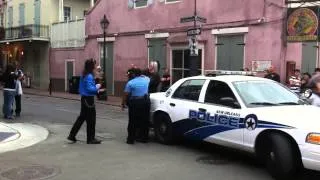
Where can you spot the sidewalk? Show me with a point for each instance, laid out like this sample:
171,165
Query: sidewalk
15,136
112,100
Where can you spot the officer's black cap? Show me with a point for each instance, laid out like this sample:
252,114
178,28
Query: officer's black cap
130,71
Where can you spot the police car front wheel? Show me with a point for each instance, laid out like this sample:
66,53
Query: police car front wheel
282,159
163,129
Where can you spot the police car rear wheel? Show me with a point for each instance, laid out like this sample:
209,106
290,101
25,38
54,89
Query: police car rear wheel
281,158
163,129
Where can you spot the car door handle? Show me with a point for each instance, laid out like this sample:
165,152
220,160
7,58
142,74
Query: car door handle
202,110
172,104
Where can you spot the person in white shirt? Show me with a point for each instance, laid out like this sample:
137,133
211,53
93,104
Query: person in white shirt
315,86
19,75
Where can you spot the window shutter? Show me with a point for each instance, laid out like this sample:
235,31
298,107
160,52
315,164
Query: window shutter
131,4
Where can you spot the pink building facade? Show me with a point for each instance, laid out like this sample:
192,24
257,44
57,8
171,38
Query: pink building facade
237,34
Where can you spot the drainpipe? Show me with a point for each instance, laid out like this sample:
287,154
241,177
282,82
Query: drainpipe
50,79
283,53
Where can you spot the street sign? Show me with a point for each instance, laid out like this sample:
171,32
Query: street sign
187,19
193,19
201,19
194,32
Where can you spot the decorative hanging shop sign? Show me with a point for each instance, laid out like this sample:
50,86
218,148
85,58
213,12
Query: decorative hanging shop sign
303,24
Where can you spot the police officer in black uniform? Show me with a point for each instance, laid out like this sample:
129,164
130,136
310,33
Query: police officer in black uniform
139,107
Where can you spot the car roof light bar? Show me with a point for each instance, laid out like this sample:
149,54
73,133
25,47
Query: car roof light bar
223,72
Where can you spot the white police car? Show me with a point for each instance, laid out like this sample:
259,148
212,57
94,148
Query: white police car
253,114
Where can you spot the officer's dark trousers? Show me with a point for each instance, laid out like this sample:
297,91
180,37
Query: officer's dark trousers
139,110
88,114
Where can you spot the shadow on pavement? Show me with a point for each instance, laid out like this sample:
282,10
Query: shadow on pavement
218,155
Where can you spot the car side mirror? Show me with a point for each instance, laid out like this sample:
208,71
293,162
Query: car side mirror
230,102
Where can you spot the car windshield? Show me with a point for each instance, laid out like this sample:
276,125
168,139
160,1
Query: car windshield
266,93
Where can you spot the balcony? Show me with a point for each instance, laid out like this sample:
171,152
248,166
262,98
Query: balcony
40,32
70,34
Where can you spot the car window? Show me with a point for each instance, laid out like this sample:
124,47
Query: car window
265,93
220,93
189,90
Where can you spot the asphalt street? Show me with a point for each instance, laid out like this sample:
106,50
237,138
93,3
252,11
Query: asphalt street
56,159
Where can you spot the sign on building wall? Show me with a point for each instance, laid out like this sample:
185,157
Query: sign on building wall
303,24
260,66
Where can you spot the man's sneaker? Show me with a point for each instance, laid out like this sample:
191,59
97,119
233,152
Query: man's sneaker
72,139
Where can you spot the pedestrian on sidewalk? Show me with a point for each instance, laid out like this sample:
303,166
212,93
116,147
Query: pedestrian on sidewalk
139,107
88,90
295,81
315,87
9,92
20,76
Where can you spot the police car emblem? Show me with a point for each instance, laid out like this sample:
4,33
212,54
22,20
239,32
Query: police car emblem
251,122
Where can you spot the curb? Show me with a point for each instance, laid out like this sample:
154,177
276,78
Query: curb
28,135
59,97
15,133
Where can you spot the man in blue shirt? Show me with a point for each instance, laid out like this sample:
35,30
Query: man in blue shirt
139,107
88,90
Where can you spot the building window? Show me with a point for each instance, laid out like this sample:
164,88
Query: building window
181,64
172,1
140,3
10,16
67,13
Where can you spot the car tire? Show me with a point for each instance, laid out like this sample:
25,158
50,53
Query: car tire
163,129
282,159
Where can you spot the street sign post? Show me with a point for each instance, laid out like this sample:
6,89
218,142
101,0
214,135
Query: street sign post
194,32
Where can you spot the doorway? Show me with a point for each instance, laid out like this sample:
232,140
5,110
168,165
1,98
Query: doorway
108,69
157,52
69,72
37,17
36,68
180,67
309,57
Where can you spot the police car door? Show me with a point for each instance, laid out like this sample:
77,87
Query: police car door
185,96
221,115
